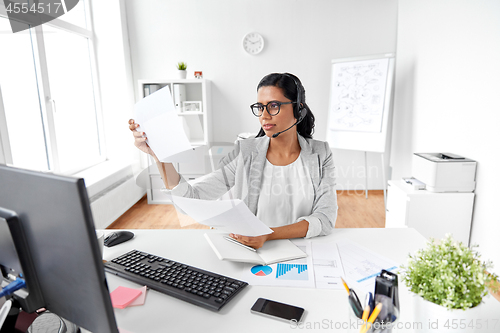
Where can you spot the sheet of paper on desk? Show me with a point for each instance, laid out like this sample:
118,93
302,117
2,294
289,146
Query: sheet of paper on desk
362,265
232,216
157,117
292,273
327,266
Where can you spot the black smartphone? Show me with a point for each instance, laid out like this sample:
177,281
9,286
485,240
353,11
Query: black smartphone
277,310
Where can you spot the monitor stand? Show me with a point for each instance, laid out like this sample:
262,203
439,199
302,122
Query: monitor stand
50,322
45,322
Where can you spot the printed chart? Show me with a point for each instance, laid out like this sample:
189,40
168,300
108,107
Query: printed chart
292,272
327,266
361,265
261,270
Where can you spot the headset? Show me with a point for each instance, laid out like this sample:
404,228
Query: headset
301,112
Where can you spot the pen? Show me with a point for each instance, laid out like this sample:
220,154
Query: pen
236,242
372,318
369,301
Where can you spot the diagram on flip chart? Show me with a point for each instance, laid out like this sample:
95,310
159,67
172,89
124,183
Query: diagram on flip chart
358,95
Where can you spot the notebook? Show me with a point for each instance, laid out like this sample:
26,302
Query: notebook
272,252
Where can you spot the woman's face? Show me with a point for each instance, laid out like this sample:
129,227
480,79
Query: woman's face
281,121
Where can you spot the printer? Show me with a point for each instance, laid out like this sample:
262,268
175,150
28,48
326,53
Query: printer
444,172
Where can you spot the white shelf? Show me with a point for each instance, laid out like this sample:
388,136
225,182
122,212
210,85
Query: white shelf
198,143
168,81
190,113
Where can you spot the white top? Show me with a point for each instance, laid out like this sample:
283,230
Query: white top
286,195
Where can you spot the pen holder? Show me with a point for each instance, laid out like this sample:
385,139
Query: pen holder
355,324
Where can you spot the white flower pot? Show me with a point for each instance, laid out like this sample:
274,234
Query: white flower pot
181,74
435,318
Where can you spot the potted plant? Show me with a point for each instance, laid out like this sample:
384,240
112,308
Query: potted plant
182,66
449,281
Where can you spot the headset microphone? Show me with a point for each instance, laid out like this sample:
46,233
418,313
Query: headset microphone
275,135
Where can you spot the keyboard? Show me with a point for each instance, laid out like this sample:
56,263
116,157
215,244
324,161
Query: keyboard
191,284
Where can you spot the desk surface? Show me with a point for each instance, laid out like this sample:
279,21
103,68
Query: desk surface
326,310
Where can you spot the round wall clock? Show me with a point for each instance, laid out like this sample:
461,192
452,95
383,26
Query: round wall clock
253,43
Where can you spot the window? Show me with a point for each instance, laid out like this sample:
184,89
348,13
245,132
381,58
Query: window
49,101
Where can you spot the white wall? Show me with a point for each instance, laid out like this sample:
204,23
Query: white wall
301,37
447,88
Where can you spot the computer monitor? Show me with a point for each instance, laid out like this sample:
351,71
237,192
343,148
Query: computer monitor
55,241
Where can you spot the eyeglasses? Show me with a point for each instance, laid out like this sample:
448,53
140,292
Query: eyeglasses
273,108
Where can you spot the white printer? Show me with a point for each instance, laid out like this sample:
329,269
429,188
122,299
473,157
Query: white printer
445,172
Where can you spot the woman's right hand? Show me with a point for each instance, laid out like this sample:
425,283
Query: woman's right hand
140,139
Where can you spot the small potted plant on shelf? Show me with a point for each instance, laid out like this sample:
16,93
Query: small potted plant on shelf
182,66
449,281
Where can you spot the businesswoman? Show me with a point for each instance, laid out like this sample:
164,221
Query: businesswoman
284,176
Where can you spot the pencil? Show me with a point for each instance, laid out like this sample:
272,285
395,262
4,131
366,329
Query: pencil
345,285
372,318
366,312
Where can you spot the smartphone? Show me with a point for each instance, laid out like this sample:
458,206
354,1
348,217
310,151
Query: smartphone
277,310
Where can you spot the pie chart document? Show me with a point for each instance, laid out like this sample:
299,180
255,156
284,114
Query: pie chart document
292,273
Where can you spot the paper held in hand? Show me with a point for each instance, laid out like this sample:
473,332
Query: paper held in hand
157,117
227,215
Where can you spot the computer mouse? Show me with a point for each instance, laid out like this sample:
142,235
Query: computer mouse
117,237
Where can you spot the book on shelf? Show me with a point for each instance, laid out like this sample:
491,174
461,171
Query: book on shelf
271,252
150,88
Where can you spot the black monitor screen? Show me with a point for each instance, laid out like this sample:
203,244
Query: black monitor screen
57,222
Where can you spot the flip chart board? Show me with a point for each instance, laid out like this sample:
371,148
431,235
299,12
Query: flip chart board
360,100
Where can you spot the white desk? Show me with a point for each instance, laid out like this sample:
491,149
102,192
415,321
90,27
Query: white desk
324,308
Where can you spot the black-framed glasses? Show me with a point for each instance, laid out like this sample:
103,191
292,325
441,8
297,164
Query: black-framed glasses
273,108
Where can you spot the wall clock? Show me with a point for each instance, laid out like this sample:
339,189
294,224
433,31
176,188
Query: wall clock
253,43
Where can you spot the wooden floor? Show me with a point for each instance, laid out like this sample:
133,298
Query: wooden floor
355,211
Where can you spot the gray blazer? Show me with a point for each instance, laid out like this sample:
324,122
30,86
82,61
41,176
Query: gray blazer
241,172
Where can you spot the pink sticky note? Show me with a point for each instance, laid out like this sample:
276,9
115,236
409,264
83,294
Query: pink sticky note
121,297
141,299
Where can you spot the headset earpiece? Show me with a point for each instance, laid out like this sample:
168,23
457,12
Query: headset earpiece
301,110
302,113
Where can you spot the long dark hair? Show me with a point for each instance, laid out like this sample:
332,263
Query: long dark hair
291,86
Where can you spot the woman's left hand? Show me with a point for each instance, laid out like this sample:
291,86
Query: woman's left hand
255,242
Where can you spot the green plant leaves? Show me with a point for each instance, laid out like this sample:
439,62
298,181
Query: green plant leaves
448,274
181,66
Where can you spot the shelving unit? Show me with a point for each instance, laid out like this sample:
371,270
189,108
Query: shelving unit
198,128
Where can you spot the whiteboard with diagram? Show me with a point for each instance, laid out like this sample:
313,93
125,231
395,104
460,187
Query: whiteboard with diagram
360,99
